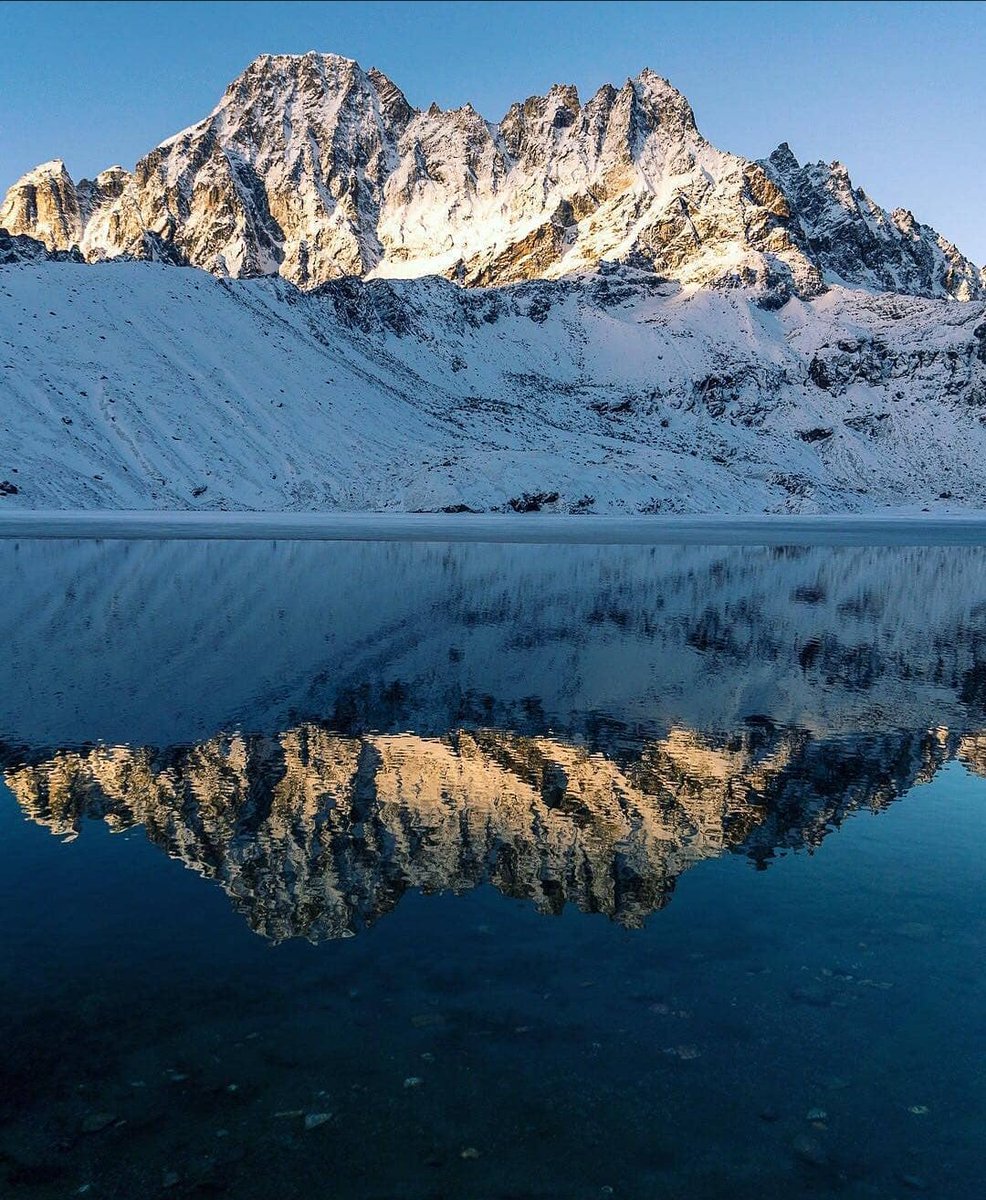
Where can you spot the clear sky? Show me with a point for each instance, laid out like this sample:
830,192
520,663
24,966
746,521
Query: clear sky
897,91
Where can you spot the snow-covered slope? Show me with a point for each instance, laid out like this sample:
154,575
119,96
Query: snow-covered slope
315,169
137,385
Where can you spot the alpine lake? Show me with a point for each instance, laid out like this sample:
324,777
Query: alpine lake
396,870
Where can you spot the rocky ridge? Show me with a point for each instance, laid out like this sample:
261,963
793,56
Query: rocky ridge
314,169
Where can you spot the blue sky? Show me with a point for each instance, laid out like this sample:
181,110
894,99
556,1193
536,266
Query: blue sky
894,90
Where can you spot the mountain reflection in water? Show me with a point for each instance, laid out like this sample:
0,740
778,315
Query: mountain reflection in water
304,738
573,725
313,834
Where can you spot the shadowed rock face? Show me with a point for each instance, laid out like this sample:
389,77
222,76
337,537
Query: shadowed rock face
19,248
314,169
313,834
850,236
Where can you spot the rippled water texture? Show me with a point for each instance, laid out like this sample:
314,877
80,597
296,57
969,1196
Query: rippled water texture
372,871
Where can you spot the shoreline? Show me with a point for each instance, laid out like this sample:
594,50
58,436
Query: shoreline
540,528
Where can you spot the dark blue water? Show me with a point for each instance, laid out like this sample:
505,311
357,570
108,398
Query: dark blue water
423,871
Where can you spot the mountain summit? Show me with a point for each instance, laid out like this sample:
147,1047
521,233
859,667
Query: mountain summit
314,169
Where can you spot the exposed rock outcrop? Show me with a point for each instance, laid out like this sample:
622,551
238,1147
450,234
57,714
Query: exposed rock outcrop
314,169
19,248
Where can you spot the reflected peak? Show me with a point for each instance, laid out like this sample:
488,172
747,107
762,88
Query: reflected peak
317,834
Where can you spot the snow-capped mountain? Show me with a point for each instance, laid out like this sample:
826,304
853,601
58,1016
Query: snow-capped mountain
630,320
314,169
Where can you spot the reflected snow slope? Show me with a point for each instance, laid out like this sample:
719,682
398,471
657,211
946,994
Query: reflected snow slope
159,643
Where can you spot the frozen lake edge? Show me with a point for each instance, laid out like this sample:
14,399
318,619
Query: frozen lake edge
757,529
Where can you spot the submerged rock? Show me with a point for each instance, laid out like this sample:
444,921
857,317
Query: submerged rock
96,1122
917,1183
808,1149
811,995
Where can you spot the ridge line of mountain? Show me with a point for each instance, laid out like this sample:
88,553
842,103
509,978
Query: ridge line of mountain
311,168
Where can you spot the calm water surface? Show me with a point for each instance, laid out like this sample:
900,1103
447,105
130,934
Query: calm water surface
373,871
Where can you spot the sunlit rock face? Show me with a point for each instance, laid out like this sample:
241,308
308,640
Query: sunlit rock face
314,834
314,169
44,204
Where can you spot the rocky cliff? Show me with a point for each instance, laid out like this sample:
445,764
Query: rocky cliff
314,169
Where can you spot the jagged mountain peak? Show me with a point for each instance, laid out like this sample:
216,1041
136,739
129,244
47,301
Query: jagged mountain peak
44,205
784,158
856,241
275,69
54,166
394,101
661,100
313,168
314,77
567,94
275,84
